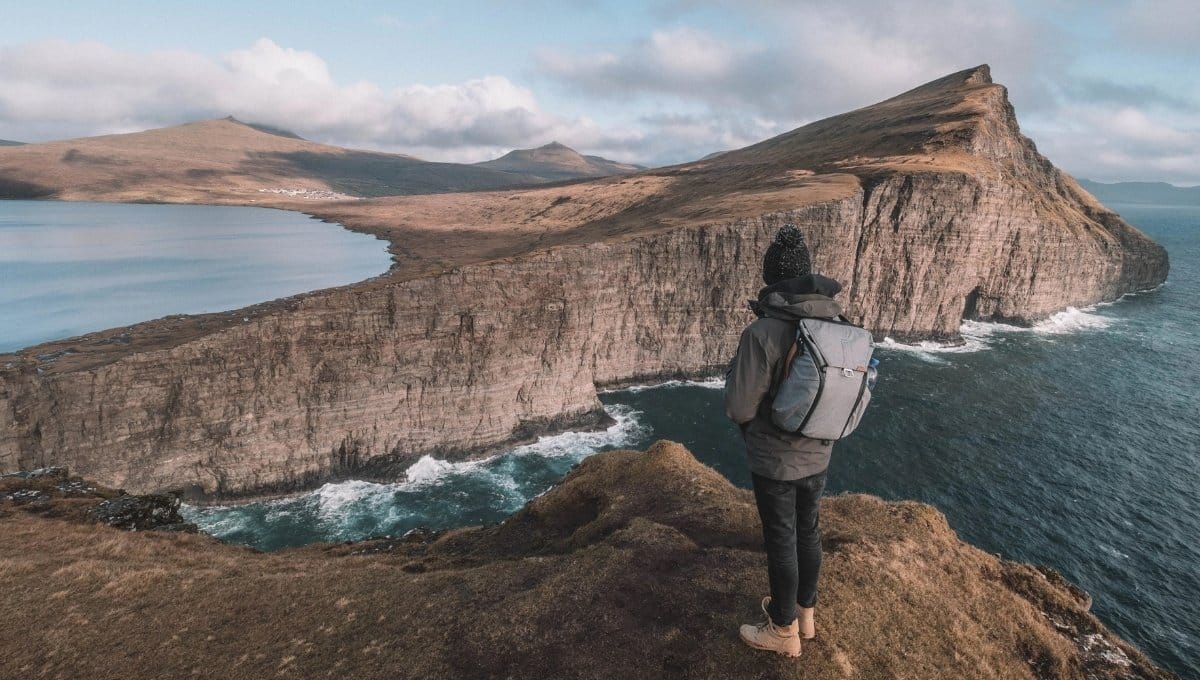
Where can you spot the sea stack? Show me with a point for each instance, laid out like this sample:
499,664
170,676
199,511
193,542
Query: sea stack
507,309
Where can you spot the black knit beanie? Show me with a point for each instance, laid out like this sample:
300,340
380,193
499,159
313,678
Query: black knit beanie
787,257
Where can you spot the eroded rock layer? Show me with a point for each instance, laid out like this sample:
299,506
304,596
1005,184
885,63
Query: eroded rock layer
507,309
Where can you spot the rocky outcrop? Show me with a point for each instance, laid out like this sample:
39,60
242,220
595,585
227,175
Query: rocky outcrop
637,565
54,492
930,207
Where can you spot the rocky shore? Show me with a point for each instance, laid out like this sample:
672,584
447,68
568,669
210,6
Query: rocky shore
507,309
639,564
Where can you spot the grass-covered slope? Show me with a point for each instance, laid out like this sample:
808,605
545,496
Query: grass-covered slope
638,565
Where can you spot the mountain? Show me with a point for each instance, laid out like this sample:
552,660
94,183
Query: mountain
6,142
637,565
269,129
555,161
508,310
230,161
224,161
1143,192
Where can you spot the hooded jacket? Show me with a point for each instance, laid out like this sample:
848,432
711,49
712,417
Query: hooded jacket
755,370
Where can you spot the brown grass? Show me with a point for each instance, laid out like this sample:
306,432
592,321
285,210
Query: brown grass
637,565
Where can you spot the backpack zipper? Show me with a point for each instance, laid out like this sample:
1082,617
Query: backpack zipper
818,359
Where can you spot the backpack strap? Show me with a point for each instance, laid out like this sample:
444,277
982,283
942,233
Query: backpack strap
787,361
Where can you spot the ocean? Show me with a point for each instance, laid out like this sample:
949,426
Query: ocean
1073,444
73,268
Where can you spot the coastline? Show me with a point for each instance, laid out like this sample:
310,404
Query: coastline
106,350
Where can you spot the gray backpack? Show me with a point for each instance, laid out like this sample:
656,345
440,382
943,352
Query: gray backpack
824,389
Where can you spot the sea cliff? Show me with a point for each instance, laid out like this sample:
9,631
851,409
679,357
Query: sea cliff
636,565
506,310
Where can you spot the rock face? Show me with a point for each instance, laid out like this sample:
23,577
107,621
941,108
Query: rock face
930,207
637,565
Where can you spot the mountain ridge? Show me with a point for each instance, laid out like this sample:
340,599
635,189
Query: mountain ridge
233,162
1143,192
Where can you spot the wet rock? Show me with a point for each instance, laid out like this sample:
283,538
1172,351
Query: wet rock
142,513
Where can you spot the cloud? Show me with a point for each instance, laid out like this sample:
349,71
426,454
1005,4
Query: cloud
813,59
818,59
1120,143
1108,92
56,89
1159,25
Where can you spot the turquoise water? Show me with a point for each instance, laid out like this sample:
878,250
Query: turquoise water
1074,444
73,268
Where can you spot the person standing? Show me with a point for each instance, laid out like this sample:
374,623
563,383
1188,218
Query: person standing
788,469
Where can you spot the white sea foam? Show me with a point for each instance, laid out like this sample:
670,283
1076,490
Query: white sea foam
981,335
1071,320
622,432
217,524
337,501
429,470
714,383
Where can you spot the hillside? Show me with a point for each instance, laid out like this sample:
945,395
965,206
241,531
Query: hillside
230,161
557,162
224,161
7,142
637,565
516,306
1159,193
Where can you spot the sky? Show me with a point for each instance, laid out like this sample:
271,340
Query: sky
1109,91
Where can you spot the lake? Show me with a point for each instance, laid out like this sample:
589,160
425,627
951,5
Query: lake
73,268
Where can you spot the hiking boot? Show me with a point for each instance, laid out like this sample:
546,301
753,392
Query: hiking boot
783,640
808,627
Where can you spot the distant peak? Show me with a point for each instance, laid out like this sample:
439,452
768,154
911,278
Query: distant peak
555,146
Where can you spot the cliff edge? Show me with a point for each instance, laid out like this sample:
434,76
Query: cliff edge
636,565
507,309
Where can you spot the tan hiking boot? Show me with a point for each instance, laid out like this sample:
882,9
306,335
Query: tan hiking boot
783,640
808,627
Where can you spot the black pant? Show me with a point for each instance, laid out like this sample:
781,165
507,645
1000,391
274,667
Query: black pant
789,512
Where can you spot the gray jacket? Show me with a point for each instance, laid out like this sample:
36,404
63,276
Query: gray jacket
758,365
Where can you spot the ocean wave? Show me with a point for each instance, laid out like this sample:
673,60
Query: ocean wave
338,506
713,383
1070,320
430,471
981,335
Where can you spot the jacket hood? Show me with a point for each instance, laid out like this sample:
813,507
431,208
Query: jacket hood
808,296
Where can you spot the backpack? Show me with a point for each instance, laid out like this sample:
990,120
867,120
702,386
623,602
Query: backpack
824,391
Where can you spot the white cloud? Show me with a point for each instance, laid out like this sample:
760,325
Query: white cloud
679,91
56,89
816,59
819,58
1118,143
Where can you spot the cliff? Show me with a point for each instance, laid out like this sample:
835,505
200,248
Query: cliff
506,310
637,565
